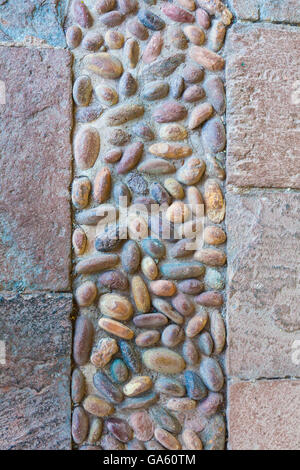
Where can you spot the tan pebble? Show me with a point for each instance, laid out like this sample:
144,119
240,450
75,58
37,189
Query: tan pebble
208,59
214,169
172,336
149,268
173,131
165,308
116,328
194,198
96,263
192,171
181,404
112,18
163,288
156,166
163,360
218,332
137,228
123,114
174,188
188,4
193,93
115,306
103,6
175,151
142,425
104,351
211,257
178,212
153,48
190,352
102,185
79,241
92,41
112,156
86,147
82,90
226,16
81,189
202,18
140,294
107,95
177,38
95,431
199,115
169,112
196,324
98,407
214,201
214,235
191,441
132,52
194,34
147,338
167,439
114,39
104,64
137,29
73,36
137,385
217,35
86,293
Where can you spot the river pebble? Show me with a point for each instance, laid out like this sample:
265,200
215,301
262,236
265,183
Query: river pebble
118,371
104,351
142,424
83,339
211,374
163,360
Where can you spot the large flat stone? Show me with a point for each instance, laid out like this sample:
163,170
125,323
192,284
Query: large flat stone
35,169
264,415
34,382
263,106
285,11
263,232
42,19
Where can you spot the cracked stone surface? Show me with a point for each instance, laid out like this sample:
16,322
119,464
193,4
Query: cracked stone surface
263,283
35,169
263,106
264,415
35,380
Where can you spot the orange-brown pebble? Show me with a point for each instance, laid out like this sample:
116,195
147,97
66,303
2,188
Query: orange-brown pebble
191,441
104,351
214,235
208,59
181,404
163,288
194,34
196,324
96,406
140,294
167,439
200,114
147,338
211,257
115,306
116,328
178,212
102,185
79,241
214,201
137,385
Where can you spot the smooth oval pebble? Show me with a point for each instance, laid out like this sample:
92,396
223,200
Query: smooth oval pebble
205,343
119,428
177,38
111,238
137,385
178,212
143,401
127,85
79,241
191,441
150,320
211,257
211,374
82,90
161,68
182,248
194,34
193,93
107,95
208,59
83,339
81,188
210,405
127,6
190,352
77,386
114,39
192,171
191,286
130,158
124,113
106,388
155,90
149,268
92,41
73,36
169,112
218,333
172,336
103,6
102,185
194,385
147,338
176,13
183,304
142,425
95,431
193,74
96,263
130,356
167,310
118,371
137,29
173,131
86,293
214,235
132,52
153,48
156,166
115,306
104,64
140,294
164,361
166,439
150,20
210,299
170,386
182,270
214,136
86,147
88,113
202,18
174,188
176,151
116,328
81,14
177,86
217,35
196,324
163,288
113,279
215,93
131,256
104,351
181,404
200,114
214,201
165,420
96,406
80,425
154,248
112,18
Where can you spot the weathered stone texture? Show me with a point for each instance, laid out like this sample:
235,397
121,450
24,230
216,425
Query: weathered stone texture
285,11
264,415
42,19
34,383
35,169
263,114
263,231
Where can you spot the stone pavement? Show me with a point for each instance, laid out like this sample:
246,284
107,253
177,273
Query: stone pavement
263,225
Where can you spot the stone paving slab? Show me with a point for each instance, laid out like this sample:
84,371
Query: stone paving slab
286,11
35,169
263,231
263,126
264,415
35,378
42,19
